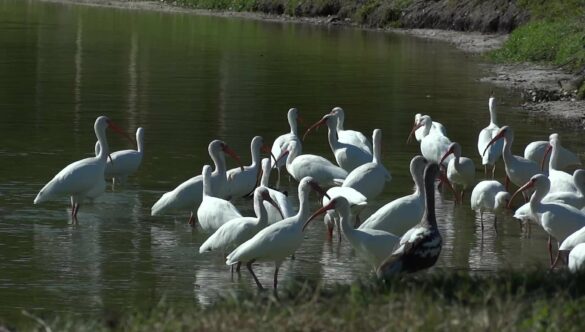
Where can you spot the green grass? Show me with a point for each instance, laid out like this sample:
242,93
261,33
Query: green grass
555,35
444,300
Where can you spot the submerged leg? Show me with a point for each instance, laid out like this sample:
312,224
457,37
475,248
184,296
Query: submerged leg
550,249
249,266
496,223
276,275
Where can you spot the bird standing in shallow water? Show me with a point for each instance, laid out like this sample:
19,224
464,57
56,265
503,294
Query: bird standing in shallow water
420,247
83,178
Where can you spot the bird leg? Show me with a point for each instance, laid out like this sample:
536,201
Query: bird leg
276,277
485,170
75,210
462,195
550,250
192,219
238,267
249,266
507,182
494,171
496,223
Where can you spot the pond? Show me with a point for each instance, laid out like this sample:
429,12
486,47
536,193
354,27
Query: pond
188,80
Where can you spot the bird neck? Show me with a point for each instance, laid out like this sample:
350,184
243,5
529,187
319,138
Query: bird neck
219,162
100,133
303,213
255,152
292,122
340,119
265,178
493,116
332,136
207,185
260,210
345,222
554,156
377,156
429,217
139,143
507,153
418,182
536,198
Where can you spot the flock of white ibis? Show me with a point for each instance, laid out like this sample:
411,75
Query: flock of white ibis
401,236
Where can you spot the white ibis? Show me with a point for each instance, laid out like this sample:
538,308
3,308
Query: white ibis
577,258
518,169
188,195
281,141
125,162
491,155
566,159
420,247
317,167
357,203
436,127
460,170
559,181
574,199
558,220
277,241
348,156
352,137
239,230
371,244
490,196
213,211
370,178
433,145
241,181
83,178
571,242
284,203
405,212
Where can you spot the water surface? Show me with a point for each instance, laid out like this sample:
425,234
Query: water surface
190,79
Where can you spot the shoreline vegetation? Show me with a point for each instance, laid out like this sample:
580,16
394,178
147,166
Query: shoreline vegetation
533,299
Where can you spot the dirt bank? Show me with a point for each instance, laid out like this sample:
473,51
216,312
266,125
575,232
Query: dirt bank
547,91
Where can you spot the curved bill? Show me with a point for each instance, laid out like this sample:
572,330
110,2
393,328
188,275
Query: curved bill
528,185
322,210
318,189
266,149
546,153
120,131
414,128
282,155
267,198
316,125
497,137
446,181
257,184
227,150
447,153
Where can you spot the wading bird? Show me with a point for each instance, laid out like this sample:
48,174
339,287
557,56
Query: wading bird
420,247
493,154
188,195
83,178
277,241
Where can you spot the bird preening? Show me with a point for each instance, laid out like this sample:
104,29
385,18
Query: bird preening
402,235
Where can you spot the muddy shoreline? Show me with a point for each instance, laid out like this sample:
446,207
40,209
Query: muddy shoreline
535,83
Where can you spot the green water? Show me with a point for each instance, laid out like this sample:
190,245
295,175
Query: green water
190,79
